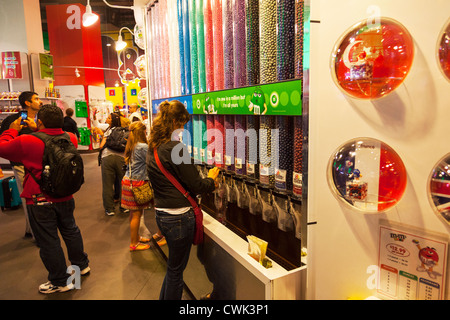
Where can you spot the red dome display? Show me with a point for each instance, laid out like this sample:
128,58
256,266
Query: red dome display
444,51
367,174
372,59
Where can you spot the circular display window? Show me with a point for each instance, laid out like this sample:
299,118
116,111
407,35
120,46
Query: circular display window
372,59
367,174
439,188
444,51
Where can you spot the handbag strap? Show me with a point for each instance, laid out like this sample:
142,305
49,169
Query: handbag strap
174,181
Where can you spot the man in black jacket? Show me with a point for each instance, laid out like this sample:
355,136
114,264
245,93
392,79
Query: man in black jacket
69,124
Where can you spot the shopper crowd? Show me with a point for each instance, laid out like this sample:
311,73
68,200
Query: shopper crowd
129,158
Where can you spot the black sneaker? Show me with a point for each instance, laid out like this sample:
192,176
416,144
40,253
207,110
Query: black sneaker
123,210
109,213
48,287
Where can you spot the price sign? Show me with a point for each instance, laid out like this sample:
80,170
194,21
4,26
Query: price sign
412,263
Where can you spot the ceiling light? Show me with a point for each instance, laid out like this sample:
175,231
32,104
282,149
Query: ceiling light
120,44
89,18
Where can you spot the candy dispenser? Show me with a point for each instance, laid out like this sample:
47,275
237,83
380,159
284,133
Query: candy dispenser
181,46
188,134
219,139
252,143
298,158
298,60
197,138
268,139
209,47
252,41
285,39
240,54
194,46
217,43
204,139
164,43
240,145
228,37
268,40
187,46
284,171
174,49
200,20
229,143
210,151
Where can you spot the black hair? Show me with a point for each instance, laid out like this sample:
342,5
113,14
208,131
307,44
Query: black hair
26,96
115,119
69,112
51,116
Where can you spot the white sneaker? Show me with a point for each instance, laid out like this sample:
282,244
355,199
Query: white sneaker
85,271
48,287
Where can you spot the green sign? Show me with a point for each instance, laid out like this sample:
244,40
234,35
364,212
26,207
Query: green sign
281,98
46,67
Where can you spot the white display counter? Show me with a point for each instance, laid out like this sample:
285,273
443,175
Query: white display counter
236,275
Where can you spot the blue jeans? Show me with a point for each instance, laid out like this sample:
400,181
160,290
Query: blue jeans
179,233
45,221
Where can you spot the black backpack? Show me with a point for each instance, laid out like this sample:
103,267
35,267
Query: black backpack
66,166
117,139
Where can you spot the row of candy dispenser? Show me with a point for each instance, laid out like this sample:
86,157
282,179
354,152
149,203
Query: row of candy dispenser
271,205
260,158
223,44
267,149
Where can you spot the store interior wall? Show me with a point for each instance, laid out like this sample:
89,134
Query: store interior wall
343,242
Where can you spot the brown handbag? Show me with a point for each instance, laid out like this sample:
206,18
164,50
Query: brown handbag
142,194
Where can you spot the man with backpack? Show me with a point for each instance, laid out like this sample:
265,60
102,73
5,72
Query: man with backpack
50,202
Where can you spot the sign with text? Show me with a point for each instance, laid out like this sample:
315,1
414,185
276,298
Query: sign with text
11,65
412,263
281,98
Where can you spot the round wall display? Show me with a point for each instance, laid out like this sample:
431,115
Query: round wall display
439,188
367,174
444,51
372,58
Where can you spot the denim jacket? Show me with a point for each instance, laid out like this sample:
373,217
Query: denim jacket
137,166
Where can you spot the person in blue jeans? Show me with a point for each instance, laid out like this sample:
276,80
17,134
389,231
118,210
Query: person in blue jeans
174,214
47,214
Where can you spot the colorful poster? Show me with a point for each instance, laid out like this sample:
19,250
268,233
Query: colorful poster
412,263
281,98
46,67
11,65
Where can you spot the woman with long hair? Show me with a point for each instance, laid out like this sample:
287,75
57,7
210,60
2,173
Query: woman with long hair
135,176
174,214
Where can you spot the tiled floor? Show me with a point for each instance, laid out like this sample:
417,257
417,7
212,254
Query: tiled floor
117,273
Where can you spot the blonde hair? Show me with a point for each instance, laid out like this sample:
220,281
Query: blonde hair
137,134
171,116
